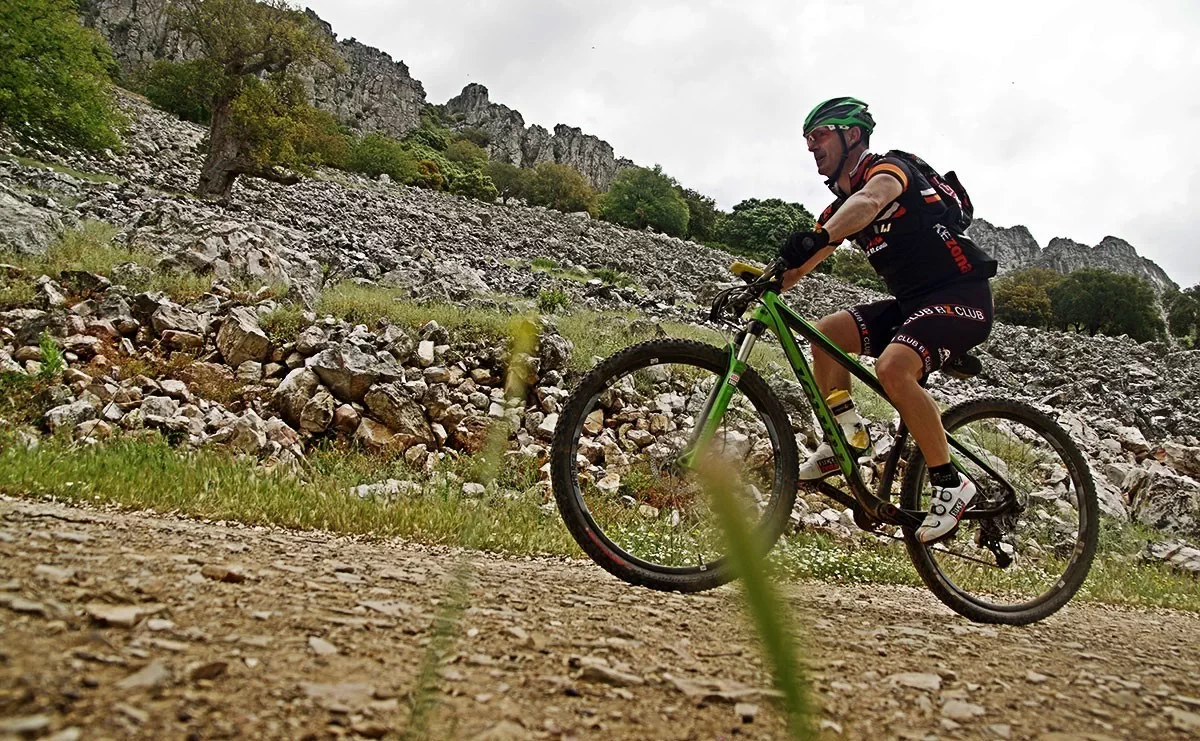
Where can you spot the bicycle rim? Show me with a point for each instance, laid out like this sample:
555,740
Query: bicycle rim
1050,542
639,501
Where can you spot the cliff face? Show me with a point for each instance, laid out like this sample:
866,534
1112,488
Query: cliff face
513,142
1015,249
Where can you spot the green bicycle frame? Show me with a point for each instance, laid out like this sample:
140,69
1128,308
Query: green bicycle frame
772,314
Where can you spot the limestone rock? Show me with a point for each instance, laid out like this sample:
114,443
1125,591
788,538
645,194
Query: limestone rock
241,339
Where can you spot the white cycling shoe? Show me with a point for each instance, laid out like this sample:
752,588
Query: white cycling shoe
820,464
946,509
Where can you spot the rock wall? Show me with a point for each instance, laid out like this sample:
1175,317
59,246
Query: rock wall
1016,249
511,141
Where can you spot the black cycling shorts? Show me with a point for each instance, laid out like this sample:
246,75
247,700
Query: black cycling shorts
944,322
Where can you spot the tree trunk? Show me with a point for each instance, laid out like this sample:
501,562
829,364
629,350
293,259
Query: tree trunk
224,161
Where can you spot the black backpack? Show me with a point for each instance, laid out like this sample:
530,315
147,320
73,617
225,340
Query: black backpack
959,209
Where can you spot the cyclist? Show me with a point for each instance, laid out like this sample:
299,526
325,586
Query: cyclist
941,305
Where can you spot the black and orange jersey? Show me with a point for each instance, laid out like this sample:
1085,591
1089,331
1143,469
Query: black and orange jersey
907,244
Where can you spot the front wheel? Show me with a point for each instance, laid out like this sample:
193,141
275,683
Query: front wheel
1021,566
623,478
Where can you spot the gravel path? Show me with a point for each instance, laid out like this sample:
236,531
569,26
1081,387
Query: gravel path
124,625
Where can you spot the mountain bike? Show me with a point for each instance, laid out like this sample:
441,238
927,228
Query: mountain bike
627,448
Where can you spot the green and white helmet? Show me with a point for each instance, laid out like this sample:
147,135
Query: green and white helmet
841,113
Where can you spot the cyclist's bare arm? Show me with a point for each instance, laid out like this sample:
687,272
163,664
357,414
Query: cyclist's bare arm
856,214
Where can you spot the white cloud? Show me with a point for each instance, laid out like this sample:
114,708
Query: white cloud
1074,118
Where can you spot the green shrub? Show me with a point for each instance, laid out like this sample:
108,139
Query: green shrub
1183,315
757,228
1023,297
640,197
552,302
375,154
561,187
511,181
471,156
55,75
474,184
183,88
53,363
476,136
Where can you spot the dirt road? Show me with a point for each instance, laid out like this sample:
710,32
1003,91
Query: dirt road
119,625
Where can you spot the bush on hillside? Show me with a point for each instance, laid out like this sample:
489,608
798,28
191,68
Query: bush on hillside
703,216
474,184
640,197
375,154
1095,300
467,154
511,181
1183,315
1023,297
55,76
183,88
757,228
561,187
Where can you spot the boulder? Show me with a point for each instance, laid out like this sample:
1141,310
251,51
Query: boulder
241,339
293,394
172,316
1163,499
403,415
317,413
555,352
349,372
24,228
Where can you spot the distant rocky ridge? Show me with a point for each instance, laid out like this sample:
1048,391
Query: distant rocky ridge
1016,249
510,141
375,94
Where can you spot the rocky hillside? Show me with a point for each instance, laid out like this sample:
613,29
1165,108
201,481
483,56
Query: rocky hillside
1016,249
208,373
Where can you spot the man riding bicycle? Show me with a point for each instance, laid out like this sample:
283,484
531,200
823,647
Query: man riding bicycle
941,305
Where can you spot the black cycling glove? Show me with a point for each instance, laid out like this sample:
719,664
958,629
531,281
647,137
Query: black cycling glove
801,246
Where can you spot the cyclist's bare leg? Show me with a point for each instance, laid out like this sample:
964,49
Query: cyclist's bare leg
899,370
842,330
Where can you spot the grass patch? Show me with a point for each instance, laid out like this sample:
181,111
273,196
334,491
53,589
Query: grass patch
360,304
552,302
94,177
90,248
23,399
543,263
211,484
283,324
613,277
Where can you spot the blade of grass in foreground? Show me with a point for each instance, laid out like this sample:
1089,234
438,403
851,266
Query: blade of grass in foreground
767,611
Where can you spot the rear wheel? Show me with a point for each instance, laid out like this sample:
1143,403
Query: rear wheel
619,481
1050,542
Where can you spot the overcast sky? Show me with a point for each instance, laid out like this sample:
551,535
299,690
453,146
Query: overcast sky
1077,119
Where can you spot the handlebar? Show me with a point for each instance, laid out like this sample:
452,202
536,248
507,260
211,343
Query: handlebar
737,300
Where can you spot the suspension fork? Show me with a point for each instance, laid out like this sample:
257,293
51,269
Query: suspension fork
713,413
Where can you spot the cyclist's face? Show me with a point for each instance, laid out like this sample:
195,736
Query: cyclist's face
826,149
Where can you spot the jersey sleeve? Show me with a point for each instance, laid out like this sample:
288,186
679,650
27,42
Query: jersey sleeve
893,167
828,213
